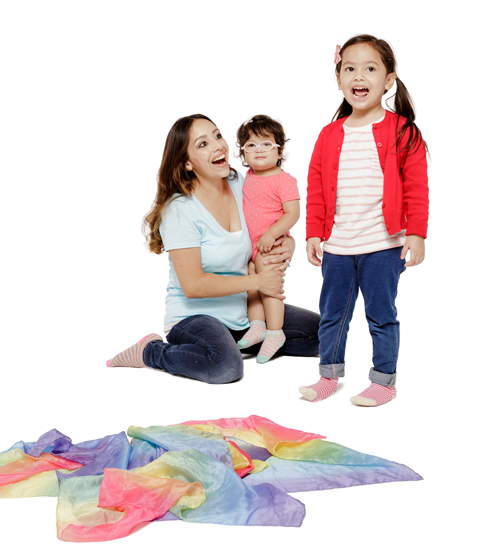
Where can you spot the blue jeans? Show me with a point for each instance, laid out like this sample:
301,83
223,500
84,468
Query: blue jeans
201,347
377,275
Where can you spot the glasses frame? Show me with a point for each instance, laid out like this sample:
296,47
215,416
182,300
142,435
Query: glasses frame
260,145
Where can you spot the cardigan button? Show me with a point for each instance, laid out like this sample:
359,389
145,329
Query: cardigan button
383,166
375,126
379,144
387,226
383,205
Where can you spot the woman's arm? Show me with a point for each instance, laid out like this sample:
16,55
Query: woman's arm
196,283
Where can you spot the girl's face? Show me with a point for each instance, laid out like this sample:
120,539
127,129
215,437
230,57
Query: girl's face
259,159
363,77
207,151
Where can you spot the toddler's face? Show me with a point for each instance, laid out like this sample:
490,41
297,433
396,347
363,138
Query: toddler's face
363,78
259,159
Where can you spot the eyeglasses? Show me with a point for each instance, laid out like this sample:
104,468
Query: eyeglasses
266,145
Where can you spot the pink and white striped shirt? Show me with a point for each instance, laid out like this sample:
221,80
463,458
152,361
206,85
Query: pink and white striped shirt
359,226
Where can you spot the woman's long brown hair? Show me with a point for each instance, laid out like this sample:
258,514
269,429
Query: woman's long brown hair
403,103
173,178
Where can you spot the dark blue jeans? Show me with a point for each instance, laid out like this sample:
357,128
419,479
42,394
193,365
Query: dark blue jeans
203,348
377,275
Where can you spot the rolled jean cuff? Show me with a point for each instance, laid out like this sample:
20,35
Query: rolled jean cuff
330,371
384,379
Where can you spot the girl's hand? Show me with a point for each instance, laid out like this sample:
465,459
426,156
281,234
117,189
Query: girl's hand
416,245
265,243
314,252
282,251
271,282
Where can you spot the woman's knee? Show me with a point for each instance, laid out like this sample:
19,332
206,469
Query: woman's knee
225,367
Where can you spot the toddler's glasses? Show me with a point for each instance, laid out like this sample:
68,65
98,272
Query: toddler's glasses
266,145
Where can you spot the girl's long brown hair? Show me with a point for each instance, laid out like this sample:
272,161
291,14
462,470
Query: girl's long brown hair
403,103
173,178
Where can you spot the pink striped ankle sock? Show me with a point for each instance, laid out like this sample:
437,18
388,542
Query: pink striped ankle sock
132,357
256,334
375,395
272,343
321,390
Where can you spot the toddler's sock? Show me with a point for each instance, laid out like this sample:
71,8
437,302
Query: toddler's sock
321,390
375,395
132,357
272,343
256,334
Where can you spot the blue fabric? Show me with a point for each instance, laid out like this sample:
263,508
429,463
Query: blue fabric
203,348
186,223
377,275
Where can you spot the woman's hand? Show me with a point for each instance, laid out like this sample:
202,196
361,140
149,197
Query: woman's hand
416,245
314,252
271,282
282,251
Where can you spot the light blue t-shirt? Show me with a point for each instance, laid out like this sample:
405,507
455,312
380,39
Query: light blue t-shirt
187,223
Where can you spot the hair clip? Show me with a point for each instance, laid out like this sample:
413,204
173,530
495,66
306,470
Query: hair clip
338,59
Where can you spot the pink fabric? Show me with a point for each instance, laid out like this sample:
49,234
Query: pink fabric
29,466
263,198
142,498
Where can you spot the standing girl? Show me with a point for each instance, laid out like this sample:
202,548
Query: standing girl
271,208
367,200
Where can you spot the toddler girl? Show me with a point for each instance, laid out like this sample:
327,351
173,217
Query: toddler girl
271,208
367,200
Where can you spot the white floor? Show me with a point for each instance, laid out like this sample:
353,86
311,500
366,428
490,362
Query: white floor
91,93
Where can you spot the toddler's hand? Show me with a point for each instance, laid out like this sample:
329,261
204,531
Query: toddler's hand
265,243
314,252
416,245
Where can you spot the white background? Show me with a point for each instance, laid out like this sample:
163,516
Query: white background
89,91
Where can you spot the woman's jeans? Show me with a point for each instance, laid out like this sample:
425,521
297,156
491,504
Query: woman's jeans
377,275
203,348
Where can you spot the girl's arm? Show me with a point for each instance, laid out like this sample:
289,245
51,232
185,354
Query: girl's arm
416,200
315,206
416,191
290,216
196,283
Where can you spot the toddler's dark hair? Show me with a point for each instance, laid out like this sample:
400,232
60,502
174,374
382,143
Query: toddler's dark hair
261,125
403,102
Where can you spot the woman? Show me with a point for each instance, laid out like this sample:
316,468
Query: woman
197,217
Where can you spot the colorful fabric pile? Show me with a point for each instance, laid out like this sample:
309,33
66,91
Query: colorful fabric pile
235,471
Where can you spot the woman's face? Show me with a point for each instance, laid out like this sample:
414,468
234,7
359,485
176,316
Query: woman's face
207,151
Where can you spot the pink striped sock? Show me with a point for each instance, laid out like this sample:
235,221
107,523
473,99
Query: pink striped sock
256,334
375,395
132,357
272,343
320,390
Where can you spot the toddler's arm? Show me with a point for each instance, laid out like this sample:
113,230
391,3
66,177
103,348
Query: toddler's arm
290,216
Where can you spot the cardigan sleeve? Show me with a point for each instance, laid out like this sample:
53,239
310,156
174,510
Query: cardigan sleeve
416,190
315,206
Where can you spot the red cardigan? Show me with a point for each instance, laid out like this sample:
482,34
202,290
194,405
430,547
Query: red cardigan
406,193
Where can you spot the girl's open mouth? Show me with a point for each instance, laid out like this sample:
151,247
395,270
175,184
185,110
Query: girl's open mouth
219,160
360,92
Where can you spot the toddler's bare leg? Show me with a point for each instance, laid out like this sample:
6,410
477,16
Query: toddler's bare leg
256,315
274,311
255,306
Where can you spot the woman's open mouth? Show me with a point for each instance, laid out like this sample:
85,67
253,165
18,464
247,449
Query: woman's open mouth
360,92
219,161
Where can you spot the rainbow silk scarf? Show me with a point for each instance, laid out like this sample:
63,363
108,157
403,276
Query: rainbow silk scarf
236,471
